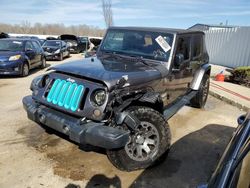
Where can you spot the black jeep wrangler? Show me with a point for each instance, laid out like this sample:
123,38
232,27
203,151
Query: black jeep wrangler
121,99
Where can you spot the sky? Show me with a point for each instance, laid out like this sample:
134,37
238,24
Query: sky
154,13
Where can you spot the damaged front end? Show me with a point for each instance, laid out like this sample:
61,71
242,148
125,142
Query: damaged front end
74,107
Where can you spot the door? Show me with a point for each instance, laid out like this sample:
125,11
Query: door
196,52
181,73
30,53
38,50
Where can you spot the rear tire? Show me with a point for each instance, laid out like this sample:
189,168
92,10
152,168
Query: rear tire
200,98
148,143
25,70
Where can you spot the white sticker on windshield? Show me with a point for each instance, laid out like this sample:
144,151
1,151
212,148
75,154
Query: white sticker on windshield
17,42
163,43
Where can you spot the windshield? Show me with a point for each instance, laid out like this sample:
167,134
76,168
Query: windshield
84,39
52,43
146,44
11,45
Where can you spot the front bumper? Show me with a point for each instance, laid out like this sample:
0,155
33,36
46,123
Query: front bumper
11,68
52,56
96,134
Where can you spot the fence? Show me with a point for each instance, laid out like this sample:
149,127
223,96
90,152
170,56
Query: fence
229,47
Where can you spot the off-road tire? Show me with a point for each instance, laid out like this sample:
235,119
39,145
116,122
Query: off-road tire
120,158
200,98
43,65
25,70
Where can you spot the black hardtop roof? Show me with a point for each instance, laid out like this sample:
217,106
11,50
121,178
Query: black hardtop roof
158,29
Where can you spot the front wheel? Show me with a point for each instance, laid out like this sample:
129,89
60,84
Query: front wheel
43,65
146,144
25,70
200,98
60,58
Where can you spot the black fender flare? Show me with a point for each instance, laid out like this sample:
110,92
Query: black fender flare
198,76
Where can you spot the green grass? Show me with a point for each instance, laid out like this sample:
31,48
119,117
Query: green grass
245,69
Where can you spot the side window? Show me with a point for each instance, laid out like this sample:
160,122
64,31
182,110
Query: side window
29,46
197,46
183,47
37,47
63,44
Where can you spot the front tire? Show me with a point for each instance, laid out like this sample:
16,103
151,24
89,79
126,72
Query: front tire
200,98
60,57
25,70
148,143
43,65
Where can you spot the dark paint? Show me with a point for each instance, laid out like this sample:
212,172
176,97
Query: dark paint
228,173
33,58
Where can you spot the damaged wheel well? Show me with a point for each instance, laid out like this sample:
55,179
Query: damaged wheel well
158,106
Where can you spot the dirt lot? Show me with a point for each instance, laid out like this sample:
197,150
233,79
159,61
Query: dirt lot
30,157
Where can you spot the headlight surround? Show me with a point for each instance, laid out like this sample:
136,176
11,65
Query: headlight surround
99,97
57,51
14,57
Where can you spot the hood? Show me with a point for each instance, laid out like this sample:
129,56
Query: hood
4,55
68,37
110,71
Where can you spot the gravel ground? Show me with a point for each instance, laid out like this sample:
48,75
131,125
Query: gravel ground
31,157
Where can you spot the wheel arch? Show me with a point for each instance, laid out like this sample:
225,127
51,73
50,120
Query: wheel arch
151,100
198,76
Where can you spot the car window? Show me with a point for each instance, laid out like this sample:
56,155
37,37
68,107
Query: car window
63,44
29,46
196,46
146,44
183,47
37,47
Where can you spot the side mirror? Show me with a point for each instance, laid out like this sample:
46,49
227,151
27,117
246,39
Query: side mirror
179,58
29,50
241,119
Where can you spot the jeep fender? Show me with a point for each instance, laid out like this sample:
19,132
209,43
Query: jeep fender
198,76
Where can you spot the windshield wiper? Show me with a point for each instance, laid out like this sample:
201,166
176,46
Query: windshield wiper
128,57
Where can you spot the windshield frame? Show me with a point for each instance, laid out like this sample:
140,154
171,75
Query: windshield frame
167,61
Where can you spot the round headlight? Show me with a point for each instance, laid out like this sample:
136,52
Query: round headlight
99,97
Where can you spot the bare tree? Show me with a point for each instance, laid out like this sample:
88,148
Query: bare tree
51,29
107,12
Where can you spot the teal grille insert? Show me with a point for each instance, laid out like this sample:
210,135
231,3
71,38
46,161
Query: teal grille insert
65,94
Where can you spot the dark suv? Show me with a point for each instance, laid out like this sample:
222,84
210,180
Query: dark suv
122,98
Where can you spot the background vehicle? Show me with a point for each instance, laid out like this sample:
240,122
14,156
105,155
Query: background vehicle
233,169
75,45
91,43
41,41
3,35
55,49
18,56
121,99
